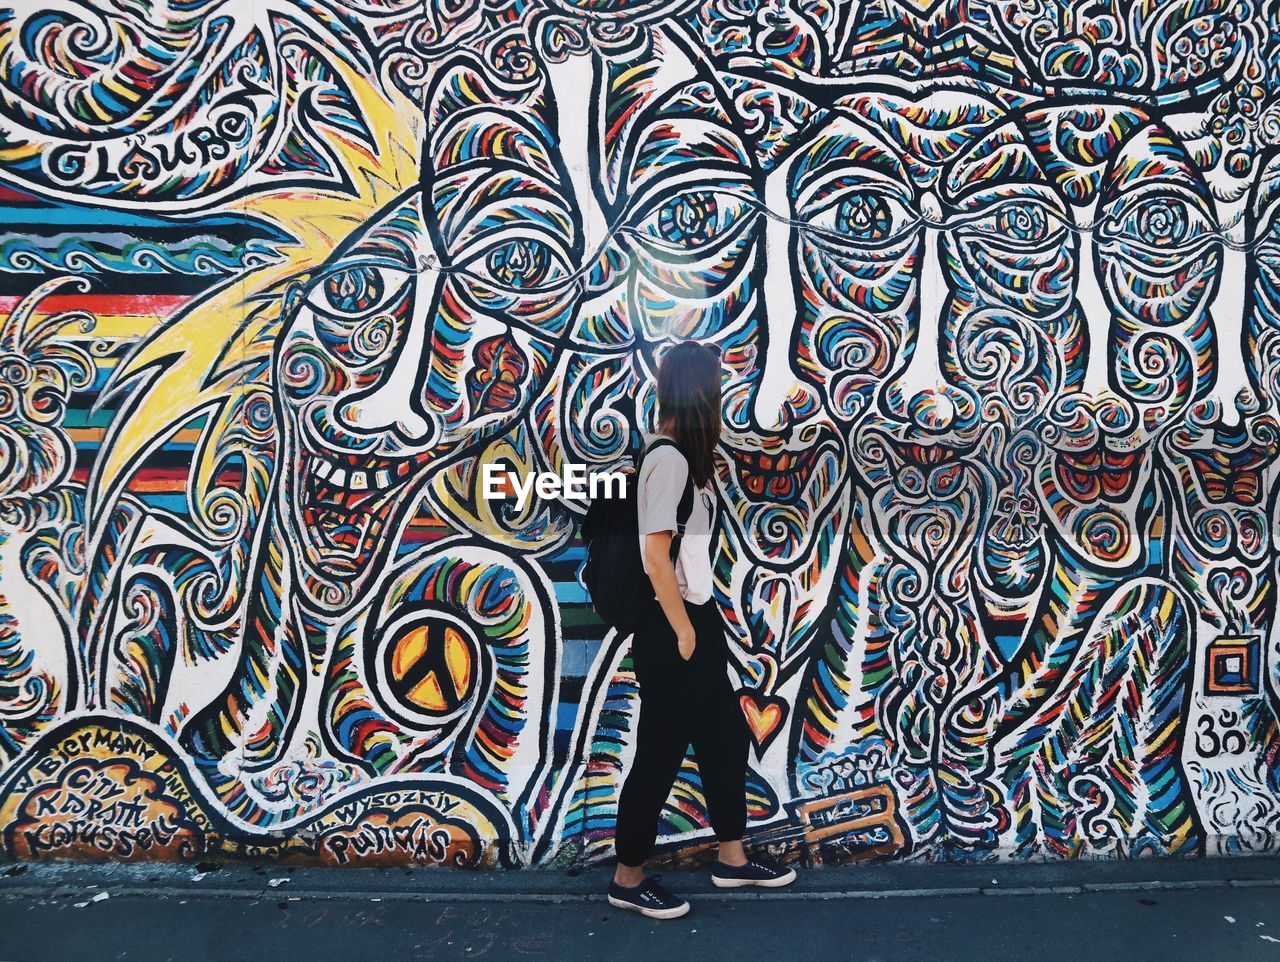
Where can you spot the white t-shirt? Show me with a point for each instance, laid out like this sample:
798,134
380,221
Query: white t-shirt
663,474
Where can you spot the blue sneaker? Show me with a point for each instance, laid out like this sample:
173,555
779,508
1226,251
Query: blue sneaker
649,898
755,872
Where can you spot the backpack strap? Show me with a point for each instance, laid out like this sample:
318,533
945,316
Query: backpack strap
685,508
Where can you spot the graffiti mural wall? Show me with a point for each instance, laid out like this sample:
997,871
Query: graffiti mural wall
996,286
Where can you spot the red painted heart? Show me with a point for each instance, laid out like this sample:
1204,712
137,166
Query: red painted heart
764,716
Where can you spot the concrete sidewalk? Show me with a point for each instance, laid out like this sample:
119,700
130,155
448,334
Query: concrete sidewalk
1203,909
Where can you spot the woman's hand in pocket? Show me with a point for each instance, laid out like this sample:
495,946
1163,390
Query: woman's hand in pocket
685,641
662,572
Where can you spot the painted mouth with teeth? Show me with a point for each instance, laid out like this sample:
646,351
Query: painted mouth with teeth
931,456
1096,473
781,477
1229,477
346,502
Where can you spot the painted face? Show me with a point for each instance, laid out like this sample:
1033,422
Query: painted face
953,322
1149,258
843,298
686,257
1011,336
840,303
1219,459
674,226
428,332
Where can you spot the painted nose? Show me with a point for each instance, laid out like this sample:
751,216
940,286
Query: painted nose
779,398
1227,409
1097,317
920,392
1232,396
1111,412
393,404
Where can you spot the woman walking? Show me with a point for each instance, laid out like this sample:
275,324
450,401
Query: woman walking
680,651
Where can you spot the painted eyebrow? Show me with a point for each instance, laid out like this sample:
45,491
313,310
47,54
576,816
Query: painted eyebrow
387,241
662,187
639,186
982,197
1176,187
858,148
487,134
1164,161
980,191
478,191
1177,177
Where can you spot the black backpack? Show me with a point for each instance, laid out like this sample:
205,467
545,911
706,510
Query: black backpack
613,573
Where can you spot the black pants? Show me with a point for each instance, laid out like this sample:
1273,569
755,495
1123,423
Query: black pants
683,702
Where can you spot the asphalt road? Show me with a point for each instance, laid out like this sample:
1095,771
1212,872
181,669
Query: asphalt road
1203,910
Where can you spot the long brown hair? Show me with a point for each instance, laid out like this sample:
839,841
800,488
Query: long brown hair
689,404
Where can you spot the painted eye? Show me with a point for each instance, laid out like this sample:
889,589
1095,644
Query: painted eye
519,264
1023,222
869,218
1159,223
695,219
690,219
355,290
865,216
1163,222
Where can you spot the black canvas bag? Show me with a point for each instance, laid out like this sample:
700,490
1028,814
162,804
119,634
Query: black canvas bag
613,573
